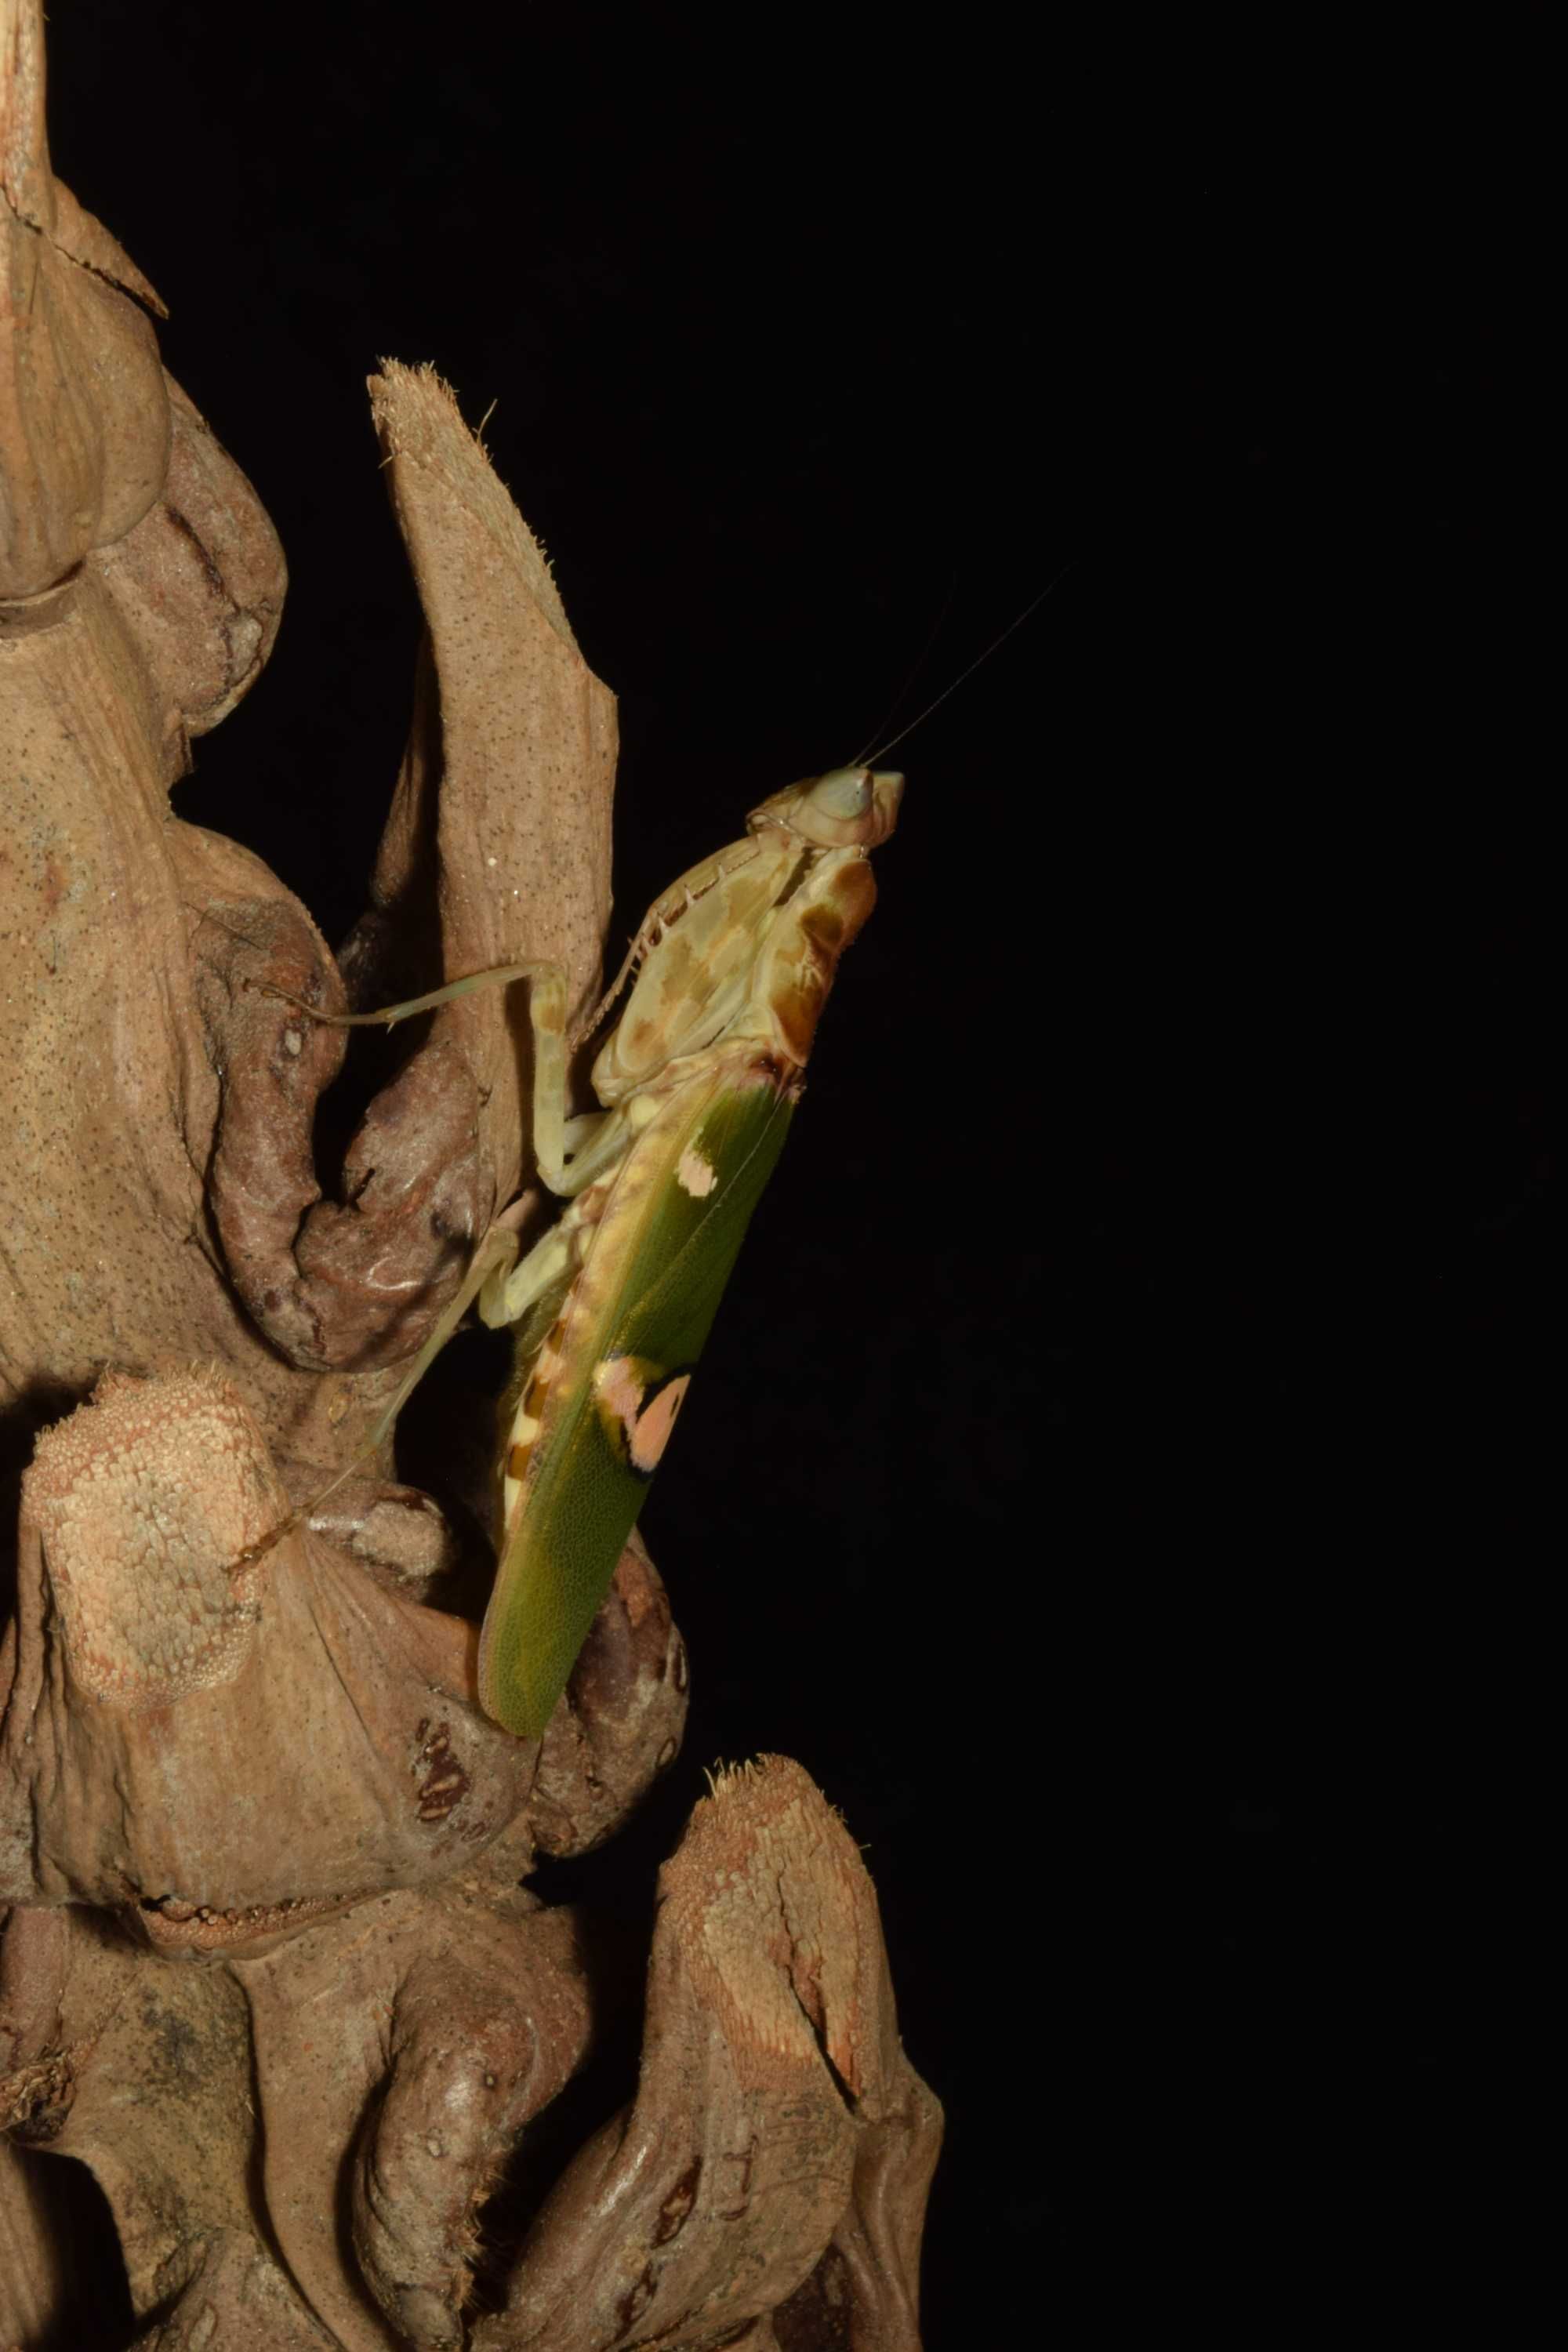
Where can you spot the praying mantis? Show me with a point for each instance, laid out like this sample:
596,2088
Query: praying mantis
609,1311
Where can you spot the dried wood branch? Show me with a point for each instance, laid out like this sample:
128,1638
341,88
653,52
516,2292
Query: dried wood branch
270,1967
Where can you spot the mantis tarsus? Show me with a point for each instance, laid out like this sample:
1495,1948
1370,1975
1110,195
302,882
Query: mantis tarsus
728,976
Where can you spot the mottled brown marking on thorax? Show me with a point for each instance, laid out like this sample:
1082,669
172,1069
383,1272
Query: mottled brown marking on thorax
854,894
676,965
798,1001
806,956
824,927
747,894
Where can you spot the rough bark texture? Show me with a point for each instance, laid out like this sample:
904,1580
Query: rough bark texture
270,1968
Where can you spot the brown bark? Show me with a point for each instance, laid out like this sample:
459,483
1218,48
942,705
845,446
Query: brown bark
270,1968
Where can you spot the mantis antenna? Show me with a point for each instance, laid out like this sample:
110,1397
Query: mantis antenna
911,675
968,671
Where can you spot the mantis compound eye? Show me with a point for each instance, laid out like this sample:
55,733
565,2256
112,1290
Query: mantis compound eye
844,793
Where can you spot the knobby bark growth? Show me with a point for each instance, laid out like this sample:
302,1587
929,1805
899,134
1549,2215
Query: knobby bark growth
271,1968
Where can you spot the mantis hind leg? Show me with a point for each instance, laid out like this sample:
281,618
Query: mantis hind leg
491,1263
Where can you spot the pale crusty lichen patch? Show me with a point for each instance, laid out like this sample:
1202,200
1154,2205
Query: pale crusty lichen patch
146,1498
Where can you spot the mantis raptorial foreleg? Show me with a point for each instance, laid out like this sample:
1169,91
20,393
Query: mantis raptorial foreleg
509,1291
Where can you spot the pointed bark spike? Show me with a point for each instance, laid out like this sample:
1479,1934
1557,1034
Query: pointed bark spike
84,419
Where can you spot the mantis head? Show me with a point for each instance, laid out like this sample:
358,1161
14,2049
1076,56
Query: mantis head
848,808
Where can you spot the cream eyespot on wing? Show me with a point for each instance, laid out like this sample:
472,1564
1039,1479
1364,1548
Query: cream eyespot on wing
639,1404
696,1173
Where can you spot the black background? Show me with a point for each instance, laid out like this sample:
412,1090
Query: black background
1111,1474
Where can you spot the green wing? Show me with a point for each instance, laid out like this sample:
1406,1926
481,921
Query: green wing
639,1316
